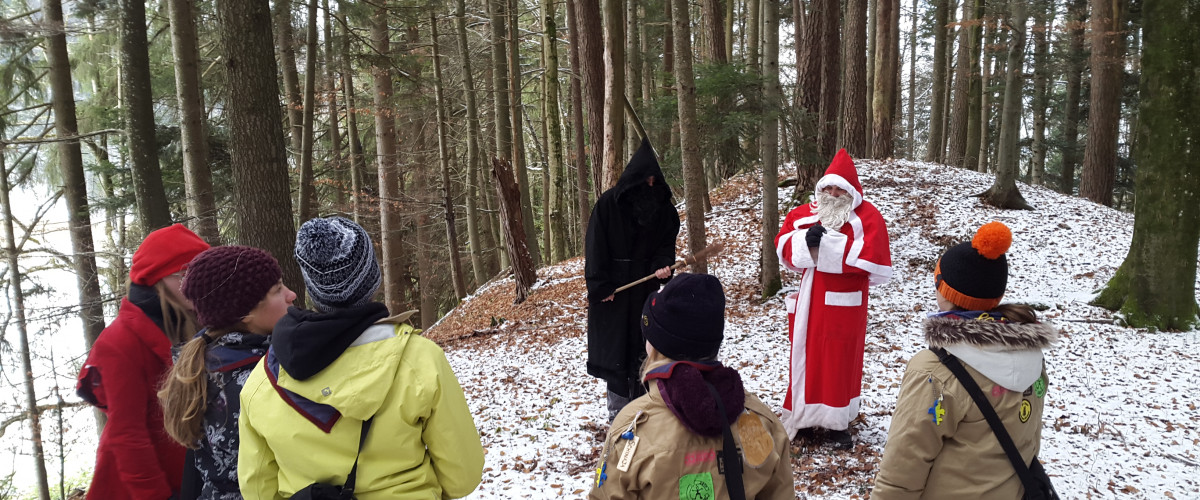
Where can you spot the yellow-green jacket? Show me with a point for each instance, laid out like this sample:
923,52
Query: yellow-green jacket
940,446
422,443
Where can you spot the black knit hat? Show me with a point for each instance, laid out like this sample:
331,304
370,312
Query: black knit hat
226,283
685,320
338,262
974,275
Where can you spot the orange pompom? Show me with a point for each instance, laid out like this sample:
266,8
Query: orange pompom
992,240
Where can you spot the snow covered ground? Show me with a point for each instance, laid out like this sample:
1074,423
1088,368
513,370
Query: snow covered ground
1121,418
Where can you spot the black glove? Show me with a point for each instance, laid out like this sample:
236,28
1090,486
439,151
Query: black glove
813,238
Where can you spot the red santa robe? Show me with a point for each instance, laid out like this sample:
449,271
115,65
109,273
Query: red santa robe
827,317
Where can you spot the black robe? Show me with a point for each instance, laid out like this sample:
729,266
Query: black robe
619,250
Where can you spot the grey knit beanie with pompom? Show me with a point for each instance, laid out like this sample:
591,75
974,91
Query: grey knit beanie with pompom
338,263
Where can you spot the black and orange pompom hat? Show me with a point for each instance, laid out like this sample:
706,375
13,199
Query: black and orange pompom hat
973,275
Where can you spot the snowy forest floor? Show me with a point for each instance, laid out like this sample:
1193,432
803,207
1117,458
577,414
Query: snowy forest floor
1120,420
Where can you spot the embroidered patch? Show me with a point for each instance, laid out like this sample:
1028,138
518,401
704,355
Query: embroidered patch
645,320
1026,410
756,441
1039,387
937,411
696,487
627,454
601,473
997,391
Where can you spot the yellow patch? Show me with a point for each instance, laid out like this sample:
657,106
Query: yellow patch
1026,410
756,441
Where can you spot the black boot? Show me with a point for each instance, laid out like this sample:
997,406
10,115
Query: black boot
840,440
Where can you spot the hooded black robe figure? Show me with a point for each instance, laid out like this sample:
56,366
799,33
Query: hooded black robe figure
631,234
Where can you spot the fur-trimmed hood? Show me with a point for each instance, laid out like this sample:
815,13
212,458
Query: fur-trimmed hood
1010,354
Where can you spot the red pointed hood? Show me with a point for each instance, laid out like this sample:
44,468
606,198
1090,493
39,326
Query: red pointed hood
841,173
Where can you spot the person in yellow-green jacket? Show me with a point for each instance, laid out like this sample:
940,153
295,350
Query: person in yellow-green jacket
331,370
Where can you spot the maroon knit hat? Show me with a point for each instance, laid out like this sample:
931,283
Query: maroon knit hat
164,252
226,283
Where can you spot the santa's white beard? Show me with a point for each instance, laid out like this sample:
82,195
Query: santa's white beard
833,211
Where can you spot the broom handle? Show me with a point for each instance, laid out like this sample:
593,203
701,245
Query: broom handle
687,260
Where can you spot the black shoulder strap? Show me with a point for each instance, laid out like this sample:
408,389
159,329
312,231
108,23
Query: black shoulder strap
993,420
348,489
729,453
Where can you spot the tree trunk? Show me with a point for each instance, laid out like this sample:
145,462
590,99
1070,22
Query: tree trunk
959,103
138,113
18,305
974,89
285,44
197,177
509,196
614,89
456,271
554,140
831,84
912,84
937,108
872,23
886,68
1004,192
390,219
769,277
1042,15
808,80
1104,110
515,107
854,102
479,265
1076,59
335,160
577,128
985,98
258,156
693,174
752,53
358,182
591,57
951,22
633,72
307,197
1155,287
70,163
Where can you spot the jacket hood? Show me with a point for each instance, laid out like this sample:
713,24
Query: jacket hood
682,387
355,384
642,165
1009,354
306,341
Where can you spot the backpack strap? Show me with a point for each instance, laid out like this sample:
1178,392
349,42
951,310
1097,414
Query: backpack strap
993,420
348,489
729,452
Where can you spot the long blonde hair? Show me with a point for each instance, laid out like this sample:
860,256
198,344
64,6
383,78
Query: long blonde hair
184,392
179,322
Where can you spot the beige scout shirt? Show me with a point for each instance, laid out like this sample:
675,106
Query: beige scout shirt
958,456
666,461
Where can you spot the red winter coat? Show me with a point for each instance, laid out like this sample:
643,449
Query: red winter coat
136,458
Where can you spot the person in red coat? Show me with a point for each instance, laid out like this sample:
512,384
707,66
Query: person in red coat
136,458
839,245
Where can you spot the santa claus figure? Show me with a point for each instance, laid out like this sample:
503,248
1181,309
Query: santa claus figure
839,245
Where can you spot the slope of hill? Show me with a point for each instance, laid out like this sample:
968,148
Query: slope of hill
1120,419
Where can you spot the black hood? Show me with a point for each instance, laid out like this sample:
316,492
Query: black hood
642,165
307,341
